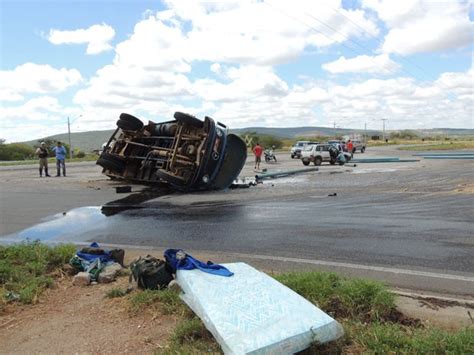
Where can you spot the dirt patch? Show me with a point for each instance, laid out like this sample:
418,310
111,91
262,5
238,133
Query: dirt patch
70,319
465,188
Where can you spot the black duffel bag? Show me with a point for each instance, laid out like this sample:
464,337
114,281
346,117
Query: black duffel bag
151,273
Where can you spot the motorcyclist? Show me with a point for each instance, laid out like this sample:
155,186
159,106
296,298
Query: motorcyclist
269,155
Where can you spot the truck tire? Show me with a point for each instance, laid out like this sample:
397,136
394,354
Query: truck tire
318,161
129,123
111,162
305,162
188,119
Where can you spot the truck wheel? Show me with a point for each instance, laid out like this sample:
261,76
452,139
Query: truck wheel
318,161
129,123
305,162
111,162
188,119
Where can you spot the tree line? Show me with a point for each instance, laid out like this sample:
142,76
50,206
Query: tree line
22,151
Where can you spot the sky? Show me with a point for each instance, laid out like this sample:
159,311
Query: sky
271,63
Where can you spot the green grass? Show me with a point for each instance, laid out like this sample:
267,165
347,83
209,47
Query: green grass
341,297
165,301
25,269
377,338
115,293
440,146
190,336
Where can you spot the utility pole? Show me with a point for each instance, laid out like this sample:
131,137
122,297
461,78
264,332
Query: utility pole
69,136
383,131
365,132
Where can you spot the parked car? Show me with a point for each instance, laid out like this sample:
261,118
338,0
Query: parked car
295,151
323,153
358,146
187,153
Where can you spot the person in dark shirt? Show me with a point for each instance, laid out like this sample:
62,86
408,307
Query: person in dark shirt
42,153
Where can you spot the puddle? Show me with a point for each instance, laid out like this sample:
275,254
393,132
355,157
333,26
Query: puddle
66,226
286,180
374,170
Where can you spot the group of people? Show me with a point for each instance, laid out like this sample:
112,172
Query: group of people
43,154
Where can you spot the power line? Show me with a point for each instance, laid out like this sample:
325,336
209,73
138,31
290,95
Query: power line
410,74
376,39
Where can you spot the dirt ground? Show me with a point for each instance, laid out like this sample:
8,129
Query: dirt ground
76,320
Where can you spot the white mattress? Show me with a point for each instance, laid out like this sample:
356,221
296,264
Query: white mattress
252,313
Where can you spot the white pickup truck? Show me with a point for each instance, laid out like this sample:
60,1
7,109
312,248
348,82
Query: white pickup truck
322,152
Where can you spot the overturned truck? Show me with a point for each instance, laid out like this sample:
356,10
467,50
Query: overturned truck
187,153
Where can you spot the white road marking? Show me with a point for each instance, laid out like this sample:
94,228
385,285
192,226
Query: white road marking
359,267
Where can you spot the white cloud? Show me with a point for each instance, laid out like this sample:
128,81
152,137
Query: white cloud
381,64
222,59
97,37
35,78
247,82
38,117
154,62
418,26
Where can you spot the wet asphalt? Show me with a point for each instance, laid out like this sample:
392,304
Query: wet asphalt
397,230
417,217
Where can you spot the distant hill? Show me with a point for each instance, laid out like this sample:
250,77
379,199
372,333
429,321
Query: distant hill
89,141
293,132
85,141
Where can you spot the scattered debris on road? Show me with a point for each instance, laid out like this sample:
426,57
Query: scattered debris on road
123,189
384,160
278,174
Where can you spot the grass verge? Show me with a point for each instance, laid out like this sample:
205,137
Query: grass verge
439,146
26,269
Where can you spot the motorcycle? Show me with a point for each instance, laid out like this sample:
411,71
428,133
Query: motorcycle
269,156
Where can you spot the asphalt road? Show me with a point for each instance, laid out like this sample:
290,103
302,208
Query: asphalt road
408,224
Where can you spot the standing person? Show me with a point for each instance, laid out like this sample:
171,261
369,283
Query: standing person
42,153
257,150
60,159
350,147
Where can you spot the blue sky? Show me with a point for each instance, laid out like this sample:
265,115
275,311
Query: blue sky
246,63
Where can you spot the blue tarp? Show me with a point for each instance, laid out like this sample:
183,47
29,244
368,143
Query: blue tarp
179,260
104,257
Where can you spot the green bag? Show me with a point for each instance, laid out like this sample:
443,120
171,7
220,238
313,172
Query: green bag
150,273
